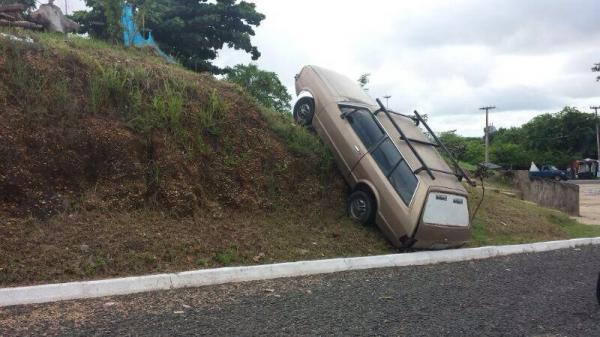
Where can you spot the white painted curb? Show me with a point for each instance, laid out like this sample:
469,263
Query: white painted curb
137,284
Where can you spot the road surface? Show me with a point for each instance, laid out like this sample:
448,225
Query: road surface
544,294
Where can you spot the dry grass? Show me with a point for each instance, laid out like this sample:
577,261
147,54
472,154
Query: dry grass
86,245
109,169
506,220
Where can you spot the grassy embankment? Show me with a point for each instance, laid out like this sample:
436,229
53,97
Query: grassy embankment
115,163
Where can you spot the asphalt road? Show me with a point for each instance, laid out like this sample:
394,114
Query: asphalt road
545,294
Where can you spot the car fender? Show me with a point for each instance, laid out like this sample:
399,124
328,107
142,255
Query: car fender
371,188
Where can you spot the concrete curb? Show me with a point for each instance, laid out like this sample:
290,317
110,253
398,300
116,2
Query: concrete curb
138,284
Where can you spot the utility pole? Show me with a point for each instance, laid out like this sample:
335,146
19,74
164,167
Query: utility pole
487,131
595,108
387,100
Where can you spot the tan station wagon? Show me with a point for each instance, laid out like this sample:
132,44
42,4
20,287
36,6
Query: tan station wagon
398,178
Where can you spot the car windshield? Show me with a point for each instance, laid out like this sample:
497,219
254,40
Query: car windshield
552,167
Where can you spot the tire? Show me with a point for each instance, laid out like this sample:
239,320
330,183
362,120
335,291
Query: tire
361,207
304,110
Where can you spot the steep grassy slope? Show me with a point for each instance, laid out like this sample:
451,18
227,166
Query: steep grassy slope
114,162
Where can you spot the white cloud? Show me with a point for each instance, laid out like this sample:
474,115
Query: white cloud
444,58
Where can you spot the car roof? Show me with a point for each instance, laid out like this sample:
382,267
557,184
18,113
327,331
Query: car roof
342,86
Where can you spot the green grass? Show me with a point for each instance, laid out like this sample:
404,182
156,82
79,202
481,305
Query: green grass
504,219
146,95
468,166
300,140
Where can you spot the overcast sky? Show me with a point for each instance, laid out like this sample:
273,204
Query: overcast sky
443,58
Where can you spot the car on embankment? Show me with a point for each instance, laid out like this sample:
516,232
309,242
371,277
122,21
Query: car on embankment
397,177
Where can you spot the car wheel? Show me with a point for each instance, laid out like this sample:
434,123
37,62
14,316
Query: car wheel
304,110
557,178
361,207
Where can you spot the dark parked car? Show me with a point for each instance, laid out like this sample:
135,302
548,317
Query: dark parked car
547,172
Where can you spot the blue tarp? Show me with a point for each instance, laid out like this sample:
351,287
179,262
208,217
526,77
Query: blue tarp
132,35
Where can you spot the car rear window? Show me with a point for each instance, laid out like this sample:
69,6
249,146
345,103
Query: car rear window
387,156
404,181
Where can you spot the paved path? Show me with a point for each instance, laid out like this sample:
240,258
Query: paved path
545,294
589,203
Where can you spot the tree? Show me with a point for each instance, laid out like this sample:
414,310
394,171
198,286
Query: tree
192,31
364,80
596,67
93,22
475,151
455,143
510,155
265,86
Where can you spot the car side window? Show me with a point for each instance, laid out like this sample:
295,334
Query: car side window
363,123
387,156
404,181
395,168
383,151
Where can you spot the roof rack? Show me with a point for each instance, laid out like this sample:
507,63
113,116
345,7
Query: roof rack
458,171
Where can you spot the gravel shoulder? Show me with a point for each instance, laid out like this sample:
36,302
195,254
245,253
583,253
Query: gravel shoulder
544,294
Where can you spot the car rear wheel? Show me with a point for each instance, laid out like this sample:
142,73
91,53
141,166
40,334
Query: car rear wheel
361,207
304,110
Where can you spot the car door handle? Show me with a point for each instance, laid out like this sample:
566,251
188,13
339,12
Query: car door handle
357,148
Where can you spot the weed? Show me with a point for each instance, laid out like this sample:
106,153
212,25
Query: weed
211,113
225,258
94,265
299,140
202,262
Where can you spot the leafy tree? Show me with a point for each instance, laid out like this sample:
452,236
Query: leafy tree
510,155
555,139
364,80
456,144
103,21
475,151
192,31
265,86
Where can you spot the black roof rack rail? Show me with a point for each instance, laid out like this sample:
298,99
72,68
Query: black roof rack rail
438,143
461,173
407,140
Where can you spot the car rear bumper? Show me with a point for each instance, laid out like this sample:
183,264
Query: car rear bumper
440,237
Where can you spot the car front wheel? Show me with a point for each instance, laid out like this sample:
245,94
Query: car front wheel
361,207
304,110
